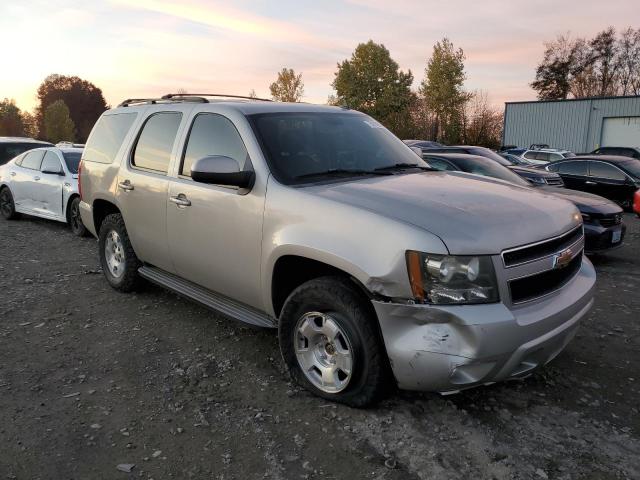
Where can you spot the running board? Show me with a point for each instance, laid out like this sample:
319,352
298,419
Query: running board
214,301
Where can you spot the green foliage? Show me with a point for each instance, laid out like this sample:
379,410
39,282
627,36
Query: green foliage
288,87
58,125
11,124
372,82
83,99
443,91
30,125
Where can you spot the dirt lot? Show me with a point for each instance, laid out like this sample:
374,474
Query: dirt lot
91,379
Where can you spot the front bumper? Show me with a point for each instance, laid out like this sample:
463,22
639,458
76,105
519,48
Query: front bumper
599,239
450,348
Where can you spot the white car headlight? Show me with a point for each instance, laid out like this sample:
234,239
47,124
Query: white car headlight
452,279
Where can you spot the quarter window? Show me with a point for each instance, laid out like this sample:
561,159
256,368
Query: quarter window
32,160
154,146
573,168
51,163
604,170
212,134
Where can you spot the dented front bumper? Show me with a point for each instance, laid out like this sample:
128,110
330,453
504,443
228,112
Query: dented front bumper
450,348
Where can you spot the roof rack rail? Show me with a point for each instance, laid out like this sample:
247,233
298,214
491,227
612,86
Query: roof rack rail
170,96
131,101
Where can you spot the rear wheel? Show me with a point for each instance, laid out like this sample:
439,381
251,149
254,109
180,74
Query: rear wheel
119,262
329,341
7,206
74,219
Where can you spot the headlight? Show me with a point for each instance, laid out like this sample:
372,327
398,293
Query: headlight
449,279
537,180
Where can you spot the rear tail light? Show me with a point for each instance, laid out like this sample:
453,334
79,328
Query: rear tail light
80,179
636,202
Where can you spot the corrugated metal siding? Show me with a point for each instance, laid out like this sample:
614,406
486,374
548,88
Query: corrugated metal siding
575,125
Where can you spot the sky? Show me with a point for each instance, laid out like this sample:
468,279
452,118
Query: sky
148,48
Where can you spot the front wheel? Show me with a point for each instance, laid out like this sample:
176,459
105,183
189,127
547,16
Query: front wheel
75,220
119,262
330,343
7,206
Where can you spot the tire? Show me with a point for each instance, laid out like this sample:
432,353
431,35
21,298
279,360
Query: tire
7,206
321,305
74,220
120,264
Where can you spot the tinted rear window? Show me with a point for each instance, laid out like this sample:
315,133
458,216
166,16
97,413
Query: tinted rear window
573,168
10,150
107,137
72,159
154,146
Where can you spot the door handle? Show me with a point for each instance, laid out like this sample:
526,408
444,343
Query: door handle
181,200
37,179
126,186
590,183
13,174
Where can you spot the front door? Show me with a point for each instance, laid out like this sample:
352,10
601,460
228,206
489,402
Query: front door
610,182
215,231
48,196
143,187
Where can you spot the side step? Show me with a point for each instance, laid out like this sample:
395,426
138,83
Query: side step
209,299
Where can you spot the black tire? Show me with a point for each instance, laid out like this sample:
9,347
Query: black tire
73,218
352,312
7,206
129,279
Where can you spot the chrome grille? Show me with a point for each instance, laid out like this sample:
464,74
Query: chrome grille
532,252
611,220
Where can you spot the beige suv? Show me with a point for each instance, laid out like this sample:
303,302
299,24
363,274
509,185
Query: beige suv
316,220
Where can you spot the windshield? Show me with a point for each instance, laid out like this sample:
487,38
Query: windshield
10,150
485,152
72,159
304,146
488,168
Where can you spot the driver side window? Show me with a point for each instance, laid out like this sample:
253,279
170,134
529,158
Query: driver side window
212,134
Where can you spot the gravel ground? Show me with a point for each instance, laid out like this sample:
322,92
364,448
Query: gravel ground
94,383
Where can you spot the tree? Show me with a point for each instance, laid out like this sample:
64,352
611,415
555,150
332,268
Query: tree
30,125
482,122
83,99
253,94
442,89
11,124
372,82
58,125
288,87
605,65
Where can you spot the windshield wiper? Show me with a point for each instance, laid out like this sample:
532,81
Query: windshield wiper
400,166
342,171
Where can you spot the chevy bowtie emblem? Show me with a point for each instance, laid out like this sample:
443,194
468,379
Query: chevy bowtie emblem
562,259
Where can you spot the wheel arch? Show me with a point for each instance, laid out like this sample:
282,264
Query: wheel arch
100,209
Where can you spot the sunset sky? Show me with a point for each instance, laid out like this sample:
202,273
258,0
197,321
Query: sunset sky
151,47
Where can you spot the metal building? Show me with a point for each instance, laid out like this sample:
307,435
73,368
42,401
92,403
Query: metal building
578,125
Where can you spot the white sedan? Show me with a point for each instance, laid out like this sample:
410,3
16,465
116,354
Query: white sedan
43,182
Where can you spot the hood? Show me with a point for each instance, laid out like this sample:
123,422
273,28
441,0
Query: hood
586,202
530,171
472,215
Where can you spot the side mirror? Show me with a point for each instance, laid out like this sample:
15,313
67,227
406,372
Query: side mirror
221,170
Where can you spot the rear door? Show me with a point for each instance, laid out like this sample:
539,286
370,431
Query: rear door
143,185
48,196
610,182
25,182
575,174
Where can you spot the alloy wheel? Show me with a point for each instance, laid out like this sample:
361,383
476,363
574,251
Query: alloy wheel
114,254
323,351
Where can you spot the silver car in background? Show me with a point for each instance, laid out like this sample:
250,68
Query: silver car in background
315,220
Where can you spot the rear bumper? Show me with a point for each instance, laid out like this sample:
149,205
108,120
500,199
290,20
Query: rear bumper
451,348
599,239
86,213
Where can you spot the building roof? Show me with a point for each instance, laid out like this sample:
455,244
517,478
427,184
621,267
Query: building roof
586,99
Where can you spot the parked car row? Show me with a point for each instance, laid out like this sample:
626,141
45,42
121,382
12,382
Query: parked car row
376,268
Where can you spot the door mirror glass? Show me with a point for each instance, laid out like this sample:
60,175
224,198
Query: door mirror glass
221,170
